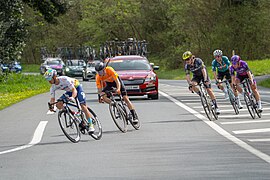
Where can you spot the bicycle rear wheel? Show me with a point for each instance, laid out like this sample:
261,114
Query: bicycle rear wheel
69,126
249,105
259,114
206,107
233,101
136,125
118,117
97,134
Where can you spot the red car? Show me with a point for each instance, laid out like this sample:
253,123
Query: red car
137,74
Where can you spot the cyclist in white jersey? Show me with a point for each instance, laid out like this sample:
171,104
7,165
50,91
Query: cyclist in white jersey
73,90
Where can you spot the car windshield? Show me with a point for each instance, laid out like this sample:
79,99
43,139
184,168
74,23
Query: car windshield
75,63
54,62
119,65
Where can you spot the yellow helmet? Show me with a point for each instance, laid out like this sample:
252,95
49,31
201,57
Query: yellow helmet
187,55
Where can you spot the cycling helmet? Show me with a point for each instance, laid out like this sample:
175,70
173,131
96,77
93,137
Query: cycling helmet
187,55
235,59
99,66
217,53
49,74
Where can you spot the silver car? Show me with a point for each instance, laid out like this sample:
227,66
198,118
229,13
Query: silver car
89,71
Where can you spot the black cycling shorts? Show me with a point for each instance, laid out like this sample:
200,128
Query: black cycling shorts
225,74
199,79
111,85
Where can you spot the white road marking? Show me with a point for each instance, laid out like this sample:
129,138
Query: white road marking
245,122
250,131
35,140
218,129
259,140
239,115
232,110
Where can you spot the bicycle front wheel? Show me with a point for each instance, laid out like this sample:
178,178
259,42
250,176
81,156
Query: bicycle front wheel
118,117
69,126
259,114
249,105
137,124
206,107
233,101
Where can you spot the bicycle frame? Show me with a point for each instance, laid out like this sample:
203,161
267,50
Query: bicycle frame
231,96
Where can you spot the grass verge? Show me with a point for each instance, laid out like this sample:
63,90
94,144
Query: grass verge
17,87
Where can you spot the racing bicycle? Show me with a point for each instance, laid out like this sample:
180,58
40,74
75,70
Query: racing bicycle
250,99
74,123
232,97
120,112
207,104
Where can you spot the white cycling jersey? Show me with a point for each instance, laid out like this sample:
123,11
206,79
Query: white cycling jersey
65,83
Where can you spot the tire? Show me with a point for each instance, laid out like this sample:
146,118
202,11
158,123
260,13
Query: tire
97,125
249,105
154,96
233,101
69,126
206,107
118,117
135,125
259,114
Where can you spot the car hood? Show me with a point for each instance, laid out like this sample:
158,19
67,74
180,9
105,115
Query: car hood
75,67
56,66
134,74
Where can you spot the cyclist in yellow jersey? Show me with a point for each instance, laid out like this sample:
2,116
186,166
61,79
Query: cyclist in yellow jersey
107,79
73,90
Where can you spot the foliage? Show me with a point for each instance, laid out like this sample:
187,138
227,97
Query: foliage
16,87
265,83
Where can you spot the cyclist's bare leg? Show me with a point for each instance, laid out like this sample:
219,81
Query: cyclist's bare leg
106,99
129,104
255,92
86,111
211,94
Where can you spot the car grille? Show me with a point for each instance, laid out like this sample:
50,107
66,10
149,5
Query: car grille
133,82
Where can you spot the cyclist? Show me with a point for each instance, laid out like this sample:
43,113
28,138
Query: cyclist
107,79
221,64
242,72
197,67
73,89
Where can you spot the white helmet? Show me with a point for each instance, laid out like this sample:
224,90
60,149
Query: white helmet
217,53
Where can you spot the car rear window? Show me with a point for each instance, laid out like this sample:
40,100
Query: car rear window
119,65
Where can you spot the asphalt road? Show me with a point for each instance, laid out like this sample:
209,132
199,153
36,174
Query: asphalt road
175,141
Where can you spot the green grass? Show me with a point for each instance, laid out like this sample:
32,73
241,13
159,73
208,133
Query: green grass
16,87
30,68
265,83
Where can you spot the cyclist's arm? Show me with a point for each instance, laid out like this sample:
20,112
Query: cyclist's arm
118,85
74,92
204,74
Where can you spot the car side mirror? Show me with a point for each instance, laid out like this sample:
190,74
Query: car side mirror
156,67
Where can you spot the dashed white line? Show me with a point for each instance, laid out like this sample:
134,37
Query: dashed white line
259,140
250,131
218,129
245,122
35,140
239,115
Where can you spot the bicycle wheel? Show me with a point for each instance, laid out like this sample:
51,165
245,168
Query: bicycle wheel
259,114
206,107
97,134
249,105
233,101
136,125
69,126
118,117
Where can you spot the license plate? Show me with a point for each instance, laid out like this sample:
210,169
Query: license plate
132,87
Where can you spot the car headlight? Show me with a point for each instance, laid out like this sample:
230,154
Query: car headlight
67,69
150,77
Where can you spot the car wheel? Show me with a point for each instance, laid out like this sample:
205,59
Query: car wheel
154,96
83,78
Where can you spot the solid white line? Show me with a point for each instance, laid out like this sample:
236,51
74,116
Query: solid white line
239,115
232,110
35,140
249,131
259,140
246,122
221,131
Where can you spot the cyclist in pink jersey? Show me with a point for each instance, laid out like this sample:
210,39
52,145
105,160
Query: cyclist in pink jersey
240,71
